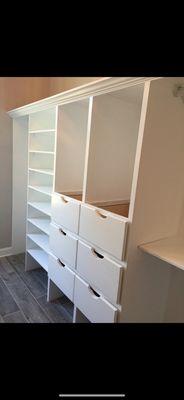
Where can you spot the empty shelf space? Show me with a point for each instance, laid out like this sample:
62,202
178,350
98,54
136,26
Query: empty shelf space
170,250
42,171
42,189
41,240
120,209
40,256
41,206
42,131
41,223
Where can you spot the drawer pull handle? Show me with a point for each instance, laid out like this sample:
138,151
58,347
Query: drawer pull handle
95,253
93,291
100,214
60,263
64,200
61,231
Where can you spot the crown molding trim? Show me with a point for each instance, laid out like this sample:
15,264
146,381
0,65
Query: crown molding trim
95,88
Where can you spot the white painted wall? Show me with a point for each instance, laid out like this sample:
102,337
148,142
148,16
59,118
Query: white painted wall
5,179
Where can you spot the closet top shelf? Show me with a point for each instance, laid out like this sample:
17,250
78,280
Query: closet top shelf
170,250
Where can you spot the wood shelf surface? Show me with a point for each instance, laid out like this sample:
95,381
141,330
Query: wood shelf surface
41,206
40,256
42,189
41,130
46,171
170,250
41,240
41,223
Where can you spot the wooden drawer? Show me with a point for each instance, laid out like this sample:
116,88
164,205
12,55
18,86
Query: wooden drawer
63,244
104,229
100,271
65,212
94,307
62,276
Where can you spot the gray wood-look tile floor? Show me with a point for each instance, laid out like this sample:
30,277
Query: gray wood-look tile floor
23,295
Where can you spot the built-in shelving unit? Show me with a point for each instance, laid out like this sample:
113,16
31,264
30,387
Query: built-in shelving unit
41,166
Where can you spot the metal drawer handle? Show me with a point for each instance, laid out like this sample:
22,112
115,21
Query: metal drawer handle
95,253
100,214
93,292
61,231
60,263
64,200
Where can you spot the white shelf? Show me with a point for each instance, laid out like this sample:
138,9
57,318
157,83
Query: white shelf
41,240
170,250
41,223
41,206
42,131
42,171
42,189
41,152
40,256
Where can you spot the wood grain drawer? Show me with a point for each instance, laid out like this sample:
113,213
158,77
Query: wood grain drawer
94,307
65,212
63,244
104,229
100,271
62,276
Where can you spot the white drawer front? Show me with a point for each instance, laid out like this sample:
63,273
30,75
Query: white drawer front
63,245
65,212
63,277
96,309
103,229
100,271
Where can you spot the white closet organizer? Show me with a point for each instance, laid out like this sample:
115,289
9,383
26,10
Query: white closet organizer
105,198
41,168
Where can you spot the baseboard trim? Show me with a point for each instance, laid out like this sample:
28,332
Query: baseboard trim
7,251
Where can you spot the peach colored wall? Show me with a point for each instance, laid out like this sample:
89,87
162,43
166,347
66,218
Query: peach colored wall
57,85
16,91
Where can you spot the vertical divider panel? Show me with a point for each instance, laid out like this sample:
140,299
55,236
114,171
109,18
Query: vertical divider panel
88,137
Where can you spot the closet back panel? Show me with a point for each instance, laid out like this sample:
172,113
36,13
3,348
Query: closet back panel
43,141
113,139
71,146
39,179
42,120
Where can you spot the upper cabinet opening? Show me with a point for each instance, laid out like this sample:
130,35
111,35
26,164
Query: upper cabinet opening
43,120
113,140
71,148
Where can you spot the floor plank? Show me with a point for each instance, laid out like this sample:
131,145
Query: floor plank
30,307
7,303
55,310
16,317
7,272
32,279
1,319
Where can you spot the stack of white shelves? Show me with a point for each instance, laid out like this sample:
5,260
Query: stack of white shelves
41,166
